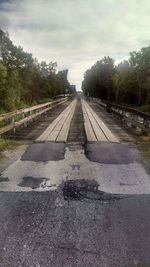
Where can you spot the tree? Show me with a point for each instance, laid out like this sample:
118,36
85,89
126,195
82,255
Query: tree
140,63
3,79
23,80
62,76
129,82
116,80
98,80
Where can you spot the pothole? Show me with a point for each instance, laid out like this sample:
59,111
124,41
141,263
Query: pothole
86,189
32,182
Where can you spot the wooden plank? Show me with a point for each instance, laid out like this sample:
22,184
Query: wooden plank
54,134
6,129
51,127
100,129
90,135
97,130
25,110
63,135
53,130
9,127
89,132
25,120
59,127
88,129
109,135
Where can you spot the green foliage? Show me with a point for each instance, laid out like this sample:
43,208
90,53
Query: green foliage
129,82
98,80
6,144
12,90
144,146
3,80
143,108
24,81
44,100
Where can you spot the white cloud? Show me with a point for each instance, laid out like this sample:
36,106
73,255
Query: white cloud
77,33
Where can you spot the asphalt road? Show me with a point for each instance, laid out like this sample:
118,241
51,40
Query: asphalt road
75,205
49,229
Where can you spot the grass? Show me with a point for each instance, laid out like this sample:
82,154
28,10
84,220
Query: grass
2,110
143,108
44,100
144,147
7,144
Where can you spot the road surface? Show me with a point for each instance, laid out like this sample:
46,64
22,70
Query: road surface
76,196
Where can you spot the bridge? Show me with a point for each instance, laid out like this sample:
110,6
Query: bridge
76,192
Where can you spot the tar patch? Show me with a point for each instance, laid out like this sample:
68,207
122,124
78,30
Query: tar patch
31,182
110,153
82,189
4,179
47,151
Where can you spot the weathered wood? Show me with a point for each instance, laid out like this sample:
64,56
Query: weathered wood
49,128
107,133
59,128
38,108
130,116
5,116
96,130
63,134
90,135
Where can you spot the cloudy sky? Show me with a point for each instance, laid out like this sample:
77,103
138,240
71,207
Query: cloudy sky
77,33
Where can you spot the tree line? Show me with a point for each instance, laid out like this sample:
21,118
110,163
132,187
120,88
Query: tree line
127,83
25,81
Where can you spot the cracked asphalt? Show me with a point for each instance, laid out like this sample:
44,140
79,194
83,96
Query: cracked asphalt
47,229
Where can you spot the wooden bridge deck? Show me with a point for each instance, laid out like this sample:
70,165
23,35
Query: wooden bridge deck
95,128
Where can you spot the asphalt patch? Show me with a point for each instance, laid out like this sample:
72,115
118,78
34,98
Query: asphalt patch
4,179
32,182
87,189
111,153
48,151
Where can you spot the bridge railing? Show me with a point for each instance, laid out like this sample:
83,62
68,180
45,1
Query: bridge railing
132,117
12,120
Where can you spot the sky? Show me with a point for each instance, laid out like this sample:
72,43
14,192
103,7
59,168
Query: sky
77,33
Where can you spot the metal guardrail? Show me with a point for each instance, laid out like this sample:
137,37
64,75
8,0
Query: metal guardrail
10,121
132,117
